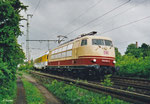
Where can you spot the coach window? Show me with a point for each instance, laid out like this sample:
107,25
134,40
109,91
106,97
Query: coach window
64,48
84,42
69,46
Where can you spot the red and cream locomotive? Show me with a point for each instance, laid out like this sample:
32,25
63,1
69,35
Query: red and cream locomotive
86,54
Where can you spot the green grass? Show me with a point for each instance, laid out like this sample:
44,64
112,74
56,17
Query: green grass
33,95
71,94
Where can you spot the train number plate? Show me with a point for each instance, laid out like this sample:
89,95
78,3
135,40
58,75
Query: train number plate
106,52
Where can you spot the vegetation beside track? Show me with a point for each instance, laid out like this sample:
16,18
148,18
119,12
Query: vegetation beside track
107,81
26,66
11,53
134,67
71,94
33,95
8,93
135,62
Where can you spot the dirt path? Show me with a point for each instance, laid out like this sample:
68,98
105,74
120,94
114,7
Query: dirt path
50,99
20,93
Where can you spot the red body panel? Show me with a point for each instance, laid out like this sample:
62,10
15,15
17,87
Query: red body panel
85,60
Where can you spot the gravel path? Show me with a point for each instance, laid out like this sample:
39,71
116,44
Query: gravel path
50,99
20,93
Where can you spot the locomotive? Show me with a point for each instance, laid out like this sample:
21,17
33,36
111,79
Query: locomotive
86,54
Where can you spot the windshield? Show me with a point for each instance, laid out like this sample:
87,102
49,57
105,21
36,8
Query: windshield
108,43
101,42
97,42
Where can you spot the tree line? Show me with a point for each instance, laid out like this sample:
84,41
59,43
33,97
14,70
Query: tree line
135,62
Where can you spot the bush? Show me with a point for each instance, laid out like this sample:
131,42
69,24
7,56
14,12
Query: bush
25,66
134,67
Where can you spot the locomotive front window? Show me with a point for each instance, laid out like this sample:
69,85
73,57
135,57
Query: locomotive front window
84,42
97,42
101,42
108,43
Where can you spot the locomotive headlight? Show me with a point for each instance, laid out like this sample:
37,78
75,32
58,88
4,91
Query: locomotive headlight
114,61
94,60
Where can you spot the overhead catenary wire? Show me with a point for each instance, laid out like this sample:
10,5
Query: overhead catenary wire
126,10
80,15
98,17
126,24
38,4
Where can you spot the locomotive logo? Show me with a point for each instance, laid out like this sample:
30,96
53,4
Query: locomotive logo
106,52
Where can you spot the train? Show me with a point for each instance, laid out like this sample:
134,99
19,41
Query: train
87,54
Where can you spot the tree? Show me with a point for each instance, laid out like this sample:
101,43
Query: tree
11,53
133,50
117,53
145,49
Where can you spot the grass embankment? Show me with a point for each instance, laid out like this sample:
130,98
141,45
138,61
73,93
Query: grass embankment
71,94
33,95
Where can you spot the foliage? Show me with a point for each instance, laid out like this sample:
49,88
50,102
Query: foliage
135,62
133,50
107,81
9,32
145,50
26,66
71,94
7,87
8,93
142,51
117,53
130,89
10,52
134,67
33,95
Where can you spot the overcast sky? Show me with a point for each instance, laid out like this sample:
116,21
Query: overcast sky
60,17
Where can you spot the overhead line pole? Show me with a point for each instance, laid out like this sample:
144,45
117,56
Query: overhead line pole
27,38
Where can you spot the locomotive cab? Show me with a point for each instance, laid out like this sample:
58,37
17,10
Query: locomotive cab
98,53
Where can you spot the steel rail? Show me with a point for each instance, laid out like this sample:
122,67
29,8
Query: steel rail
130,78
132,82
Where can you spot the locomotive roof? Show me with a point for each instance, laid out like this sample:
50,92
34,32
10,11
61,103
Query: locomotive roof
91,36
80,38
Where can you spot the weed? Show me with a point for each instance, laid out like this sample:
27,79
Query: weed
107,81
130,88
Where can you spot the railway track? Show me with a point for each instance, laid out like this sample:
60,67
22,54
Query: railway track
136,84
132,97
